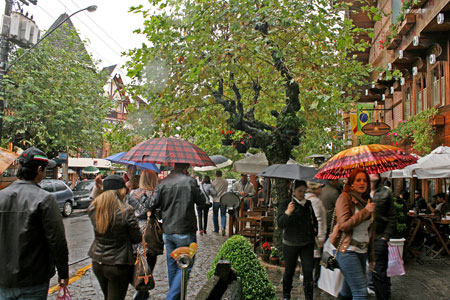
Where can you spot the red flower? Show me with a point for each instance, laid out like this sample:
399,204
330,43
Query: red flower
223,131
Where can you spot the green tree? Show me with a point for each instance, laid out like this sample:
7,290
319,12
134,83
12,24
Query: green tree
55,97
269,69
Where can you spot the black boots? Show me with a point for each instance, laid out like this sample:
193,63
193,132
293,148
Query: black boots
287,287
308,290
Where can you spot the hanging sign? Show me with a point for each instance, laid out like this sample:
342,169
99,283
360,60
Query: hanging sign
376,128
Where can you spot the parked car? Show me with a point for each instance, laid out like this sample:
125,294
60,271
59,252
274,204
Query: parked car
82,193
62,193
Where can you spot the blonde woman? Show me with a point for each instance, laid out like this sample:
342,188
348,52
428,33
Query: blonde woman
116,229
139,199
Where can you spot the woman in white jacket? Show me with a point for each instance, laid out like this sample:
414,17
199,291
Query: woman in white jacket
312,194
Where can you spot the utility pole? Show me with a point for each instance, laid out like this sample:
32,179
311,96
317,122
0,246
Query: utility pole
4,50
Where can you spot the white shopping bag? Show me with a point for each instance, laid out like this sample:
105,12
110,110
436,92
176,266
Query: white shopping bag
330,281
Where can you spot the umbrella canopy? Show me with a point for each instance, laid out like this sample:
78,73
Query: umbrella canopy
252,164
434,165
220,161
289,171
374,158
117,159
90,170
168,151
6,158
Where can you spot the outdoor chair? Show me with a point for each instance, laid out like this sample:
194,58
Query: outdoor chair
249,228
267,229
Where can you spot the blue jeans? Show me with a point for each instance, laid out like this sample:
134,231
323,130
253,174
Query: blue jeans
223,216
172,242
35,292
353,267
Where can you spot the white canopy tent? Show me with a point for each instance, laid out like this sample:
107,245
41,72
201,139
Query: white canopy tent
434,165
253,164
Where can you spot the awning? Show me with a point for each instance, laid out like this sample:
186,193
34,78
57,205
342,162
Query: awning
86,162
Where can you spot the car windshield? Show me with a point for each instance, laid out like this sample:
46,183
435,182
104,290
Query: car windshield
84,186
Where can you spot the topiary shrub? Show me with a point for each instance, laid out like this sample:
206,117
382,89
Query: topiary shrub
255,282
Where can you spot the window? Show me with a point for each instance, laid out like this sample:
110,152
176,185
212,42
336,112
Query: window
437,85
420,93
47,186
60,186
407,105
396,6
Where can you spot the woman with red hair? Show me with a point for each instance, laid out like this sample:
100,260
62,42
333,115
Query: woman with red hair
353,234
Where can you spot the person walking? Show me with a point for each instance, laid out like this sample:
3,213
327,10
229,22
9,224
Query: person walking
329,194
202,211
352,236
385,225
245,190
312,194
139,200
298,221
115,230
220,184
175,196
32,234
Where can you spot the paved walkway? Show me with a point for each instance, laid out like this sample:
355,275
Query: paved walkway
428,279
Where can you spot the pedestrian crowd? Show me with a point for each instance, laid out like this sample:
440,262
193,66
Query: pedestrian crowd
358,220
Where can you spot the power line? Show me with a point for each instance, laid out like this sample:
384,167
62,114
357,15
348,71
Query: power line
112,39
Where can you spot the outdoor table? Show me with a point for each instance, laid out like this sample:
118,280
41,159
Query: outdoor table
429,222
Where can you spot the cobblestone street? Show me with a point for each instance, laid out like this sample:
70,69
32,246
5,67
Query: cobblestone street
426,279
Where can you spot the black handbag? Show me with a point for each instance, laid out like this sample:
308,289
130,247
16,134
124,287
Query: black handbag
142,276
327,259
153,236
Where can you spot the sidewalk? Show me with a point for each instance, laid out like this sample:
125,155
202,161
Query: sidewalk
428,279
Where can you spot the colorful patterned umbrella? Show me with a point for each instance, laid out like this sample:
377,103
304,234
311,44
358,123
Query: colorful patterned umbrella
6,158
168,151
374,158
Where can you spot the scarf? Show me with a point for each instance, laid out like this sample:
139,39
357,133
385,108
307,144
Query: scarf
361,201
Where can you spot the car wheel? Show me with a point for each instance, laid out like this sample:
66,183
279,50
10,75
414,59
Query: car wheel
67,210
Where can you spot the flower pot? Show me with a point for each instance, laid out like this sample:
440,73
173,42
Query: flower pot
265,257
282,263
240,148
227,142
274,260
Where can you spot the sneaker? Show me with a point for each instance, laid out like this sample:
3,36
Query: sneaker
223,231
370,292
201,232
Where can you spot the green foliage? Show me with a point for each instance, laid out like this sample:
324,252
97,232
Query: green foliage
275,252
417,130
368,139
255,283
253,67
400,210
55,97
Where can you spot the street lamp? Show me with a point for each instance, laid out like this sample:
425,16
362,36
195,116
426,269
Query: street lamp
89,9
5,67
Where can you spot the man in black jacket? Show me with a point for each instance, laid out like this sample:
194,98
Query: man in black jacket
176,195
385,226
31,233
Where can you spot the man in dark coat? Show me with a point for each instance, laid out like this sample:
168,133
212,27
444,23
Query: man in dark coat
32,234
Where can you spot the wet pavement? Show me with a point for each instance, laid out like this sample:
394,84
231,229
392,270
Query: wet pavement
424,279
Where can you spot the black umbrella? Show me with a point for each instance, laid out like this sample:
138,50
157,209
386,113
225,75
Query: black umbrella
290,171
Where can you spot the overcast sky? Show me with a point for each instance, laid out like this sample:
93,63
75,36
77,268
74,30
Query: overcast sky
109,29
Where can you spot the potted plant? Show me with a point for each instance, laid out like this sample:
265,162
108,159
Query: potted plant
274,256
265,251
226,137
